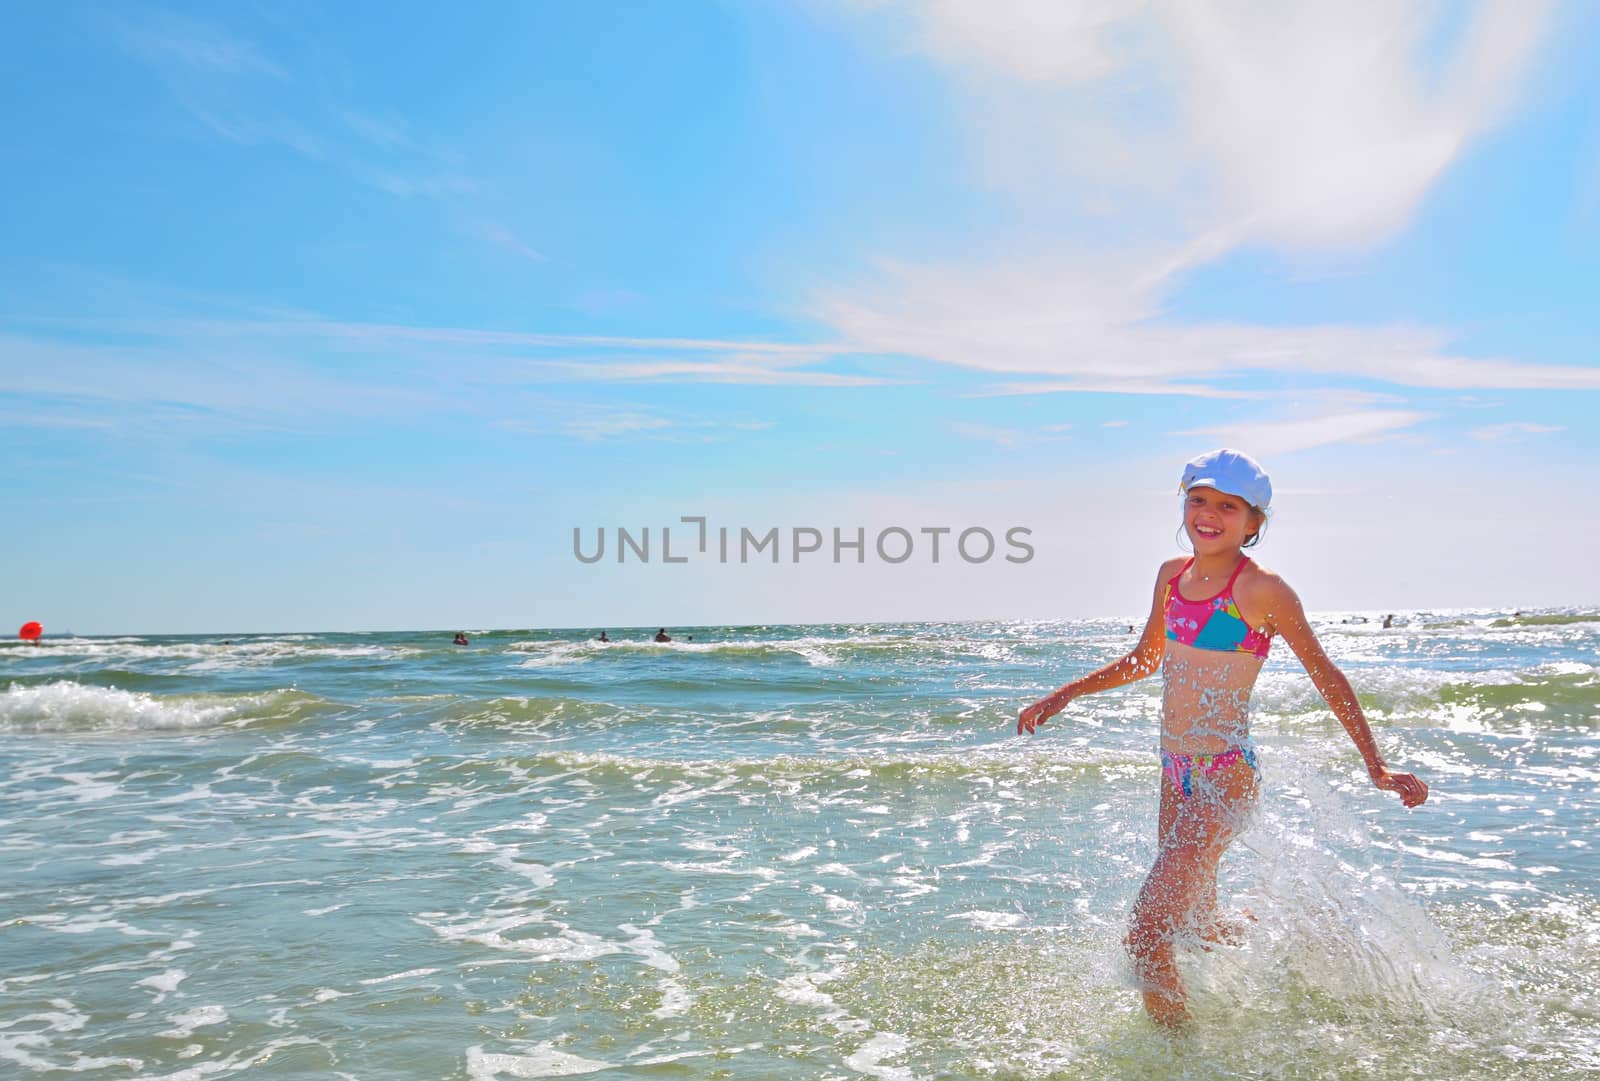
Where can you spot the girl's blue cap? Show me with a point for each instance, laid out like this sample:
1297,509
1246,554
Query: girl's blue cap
1230,471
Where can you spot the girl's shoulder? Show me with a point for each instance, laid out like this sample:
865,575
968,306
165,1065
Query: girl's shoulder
1171,568
1257,581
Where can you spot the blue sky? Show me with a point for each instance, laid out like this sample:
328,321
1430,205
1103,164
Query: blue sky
344,317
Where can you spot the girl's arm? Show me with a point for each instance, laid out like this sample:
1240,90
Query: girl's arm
1287,618
1142,661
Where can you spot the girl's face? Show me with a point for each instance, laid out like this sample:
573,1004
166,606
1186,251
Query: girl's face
1218,522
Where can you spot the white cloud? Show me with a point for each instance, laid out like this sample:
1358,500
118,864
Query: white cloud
1511,430
1011,437
167,38
386,132
1268,438
1303,125
1160,136
503,236
618,424
1190,390
729,369
216,77
185,378
1098,326
1322,124
1036,40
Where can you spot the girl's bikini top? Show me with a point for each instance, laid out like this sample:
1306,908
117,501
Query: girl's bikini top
1214,623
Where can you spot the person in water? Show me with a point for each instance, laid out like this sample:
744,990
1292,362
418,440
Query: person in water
1213,617
663,636
461,639
602,637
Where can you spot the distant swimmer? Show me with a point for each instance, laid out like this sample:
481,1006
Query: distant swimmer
602,637
1388,621
663,636
461,639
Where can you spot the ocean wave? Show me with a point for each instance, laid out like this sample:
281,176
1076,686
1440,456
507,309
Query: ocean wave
815,650
68,707
1551,695
518,712
994,769
1547,620
240,652
1566,692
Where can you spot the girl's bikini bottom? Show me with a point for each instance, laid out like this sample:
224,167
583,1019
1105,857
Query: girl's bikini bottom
1181,769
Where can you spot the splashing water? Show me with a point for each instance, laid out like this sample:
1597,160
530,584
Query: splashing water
782,852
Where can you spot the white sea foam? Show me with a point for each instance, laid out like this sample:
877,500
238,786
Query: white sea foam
819,651
408,974
507,859
213,655
164,984
675,998
556,653
868,1058
542,1060
66,706
989,921
186,1023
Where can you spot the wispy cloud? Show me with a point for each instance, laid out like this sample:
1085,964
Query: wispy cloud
16,419
1293,124
386,132
591,422
1181,132
519,355
723,370
176,375
1099,327
1127,386
215,75
176,41
1012,437
619,424
1512,430
503,236
1284,436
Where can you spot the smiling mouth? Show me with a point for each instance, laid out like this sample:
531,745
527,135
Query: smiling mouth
1206,531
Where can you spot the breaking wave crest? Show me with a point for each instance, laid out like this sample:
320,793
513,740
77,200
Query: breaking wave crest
66,706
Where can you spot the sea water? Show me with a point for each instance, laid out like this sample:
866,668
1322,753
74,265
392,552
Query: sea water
778,852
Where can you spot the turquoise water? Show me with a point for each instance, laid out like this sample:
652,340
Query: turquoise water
777,852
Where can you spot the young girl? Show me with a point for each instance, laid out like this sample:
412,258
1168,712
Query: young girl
1212,620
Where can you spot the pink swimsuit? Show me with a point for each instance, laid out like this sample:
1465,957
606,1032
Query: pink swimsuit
1212,624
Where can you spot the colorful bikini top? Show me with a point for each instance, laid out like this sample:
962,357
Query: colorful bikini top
1214,623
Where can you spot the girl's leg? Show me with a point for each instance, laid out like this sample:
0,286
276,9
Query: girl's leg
1165,900
1233,794
1194,834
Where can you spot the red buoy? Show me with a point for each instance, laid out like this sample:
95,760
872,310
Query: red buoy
30,631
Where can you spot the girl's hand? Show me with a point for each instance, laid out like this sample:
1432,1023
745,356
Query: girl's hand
1038,713
1411,788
